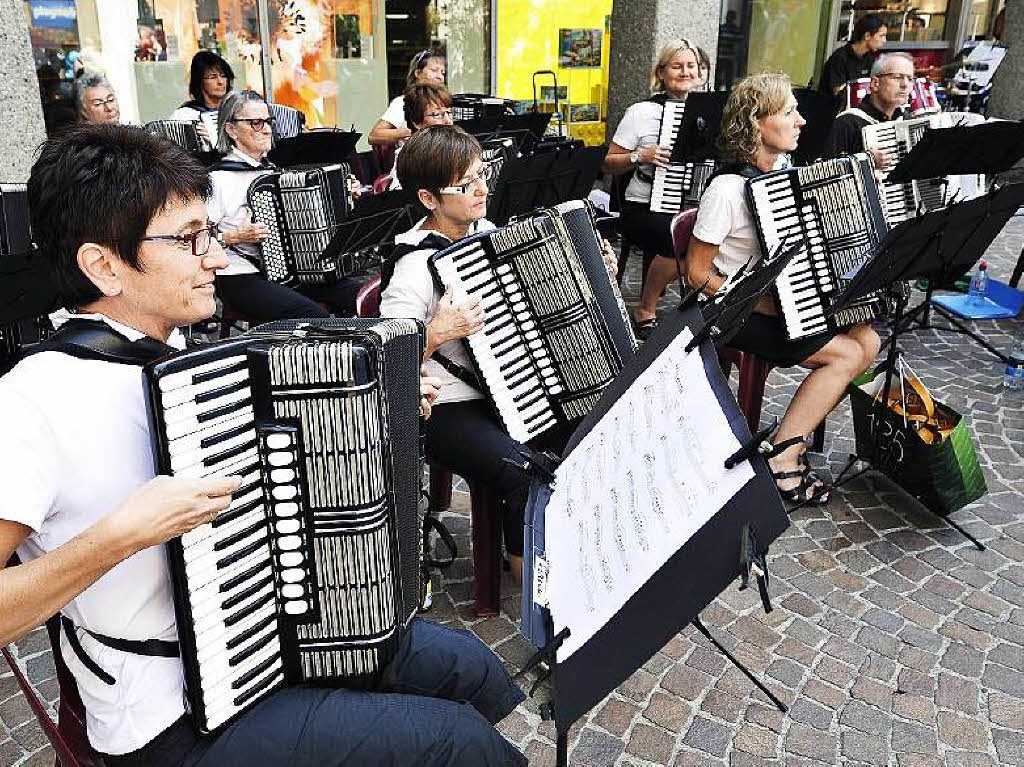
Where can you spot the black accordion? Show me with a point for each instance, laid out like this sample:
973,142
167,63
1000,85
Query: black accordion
180,132
301,208
472,106
496,151
555,329
313,572
833,206
679,184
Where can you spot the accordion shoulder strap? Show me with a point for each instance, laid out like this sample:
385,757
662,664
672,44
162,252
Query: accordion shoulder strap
454,368
160,648
94,340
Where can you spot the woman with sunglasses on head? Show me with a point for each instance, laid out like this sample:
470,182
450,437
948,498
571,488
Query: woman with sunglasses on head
244,138
681,68
426,67
760,125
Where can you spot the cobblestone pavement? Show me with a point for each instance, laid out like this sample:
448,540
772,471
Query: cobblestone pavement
893,640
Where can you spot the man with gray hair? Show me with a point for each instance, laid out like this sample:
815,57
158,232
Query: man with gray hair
892,77
95,99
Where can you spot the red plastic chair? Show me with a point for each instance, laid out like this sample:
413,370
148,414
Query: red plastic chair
485,511
753,370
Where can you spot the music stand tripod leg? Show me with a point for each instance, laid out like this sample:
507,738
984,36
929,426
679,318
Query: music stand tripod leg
959,327
697,624
561,748
1018,270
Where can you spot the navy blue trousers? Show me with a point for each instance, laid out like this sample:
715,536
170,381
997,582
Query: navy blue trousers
436,706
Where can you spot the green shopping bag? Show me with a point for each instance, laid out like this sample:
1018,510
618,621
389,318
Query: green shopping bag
945,475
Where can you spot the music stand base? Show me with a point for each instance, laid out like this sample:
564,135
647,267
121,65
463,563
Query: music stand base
921,313
697,624
561,748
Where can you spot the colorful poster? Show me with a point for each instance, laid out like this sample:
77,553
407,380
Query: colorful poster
579,48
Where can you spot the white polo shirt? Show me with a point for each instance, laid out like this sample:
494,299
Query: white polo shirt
76,445
395,113
228,209
640,127
412,293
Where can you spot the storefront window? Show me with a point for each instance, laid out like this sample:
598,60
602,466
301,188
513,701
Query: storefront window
560,48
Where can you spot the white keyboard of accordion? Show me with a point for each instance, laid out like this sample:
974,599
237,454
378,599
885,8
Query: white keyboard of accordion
265,211
344,461
508,383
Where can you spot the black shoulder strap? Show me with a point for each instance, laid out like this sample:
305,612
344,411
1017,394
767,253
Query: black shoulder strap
744,169
430,242
238,165
658,98
96,340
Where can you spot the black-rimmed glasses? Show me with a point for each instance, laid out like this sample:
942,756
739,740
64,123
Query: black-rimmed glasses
256,123
200,240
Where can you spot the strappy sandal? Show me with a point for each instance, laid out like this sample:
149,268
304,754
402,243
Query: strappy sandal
644,328
809,480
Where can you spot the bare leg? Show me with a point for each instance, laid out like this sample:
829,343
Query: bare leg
661,272
832,368
517,567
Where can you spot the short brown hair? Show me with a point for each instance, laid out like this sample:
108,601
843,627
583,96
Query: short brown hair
436,156
419,97
751,100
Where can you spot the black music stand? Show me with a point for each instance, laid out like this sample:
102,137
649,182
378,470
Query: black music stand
317,147
989,148
923,247
360,243
697,139
542,180
644,623
496,126
819,110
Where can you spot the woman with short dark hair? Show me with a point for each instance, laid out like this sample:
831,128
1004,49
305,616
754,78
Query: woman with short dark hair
760,125
244,137
425,67
210,80
425,104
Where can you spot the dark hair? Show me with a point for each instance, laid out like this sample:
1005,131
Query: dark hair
867,25
420,96
202,62
436,156
420,61
104,183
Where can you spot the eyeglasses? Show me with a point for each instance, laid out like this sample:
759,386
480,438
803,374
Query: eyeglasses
199,241
109,101
897,76
467,187
440,115
215,75
256,123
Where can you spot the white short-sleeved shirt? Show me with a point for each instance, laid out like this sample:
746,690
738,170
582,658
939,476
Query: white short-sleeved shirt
76,445
395,113
185,113
412,293
724,219
228,209
640,127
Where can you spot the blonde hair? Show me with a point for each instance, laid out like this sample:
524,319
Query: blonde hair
751,100
668,52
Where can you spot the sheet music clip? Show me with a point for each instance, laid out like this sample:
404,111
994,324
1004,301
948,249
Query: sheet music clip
753,564
756,444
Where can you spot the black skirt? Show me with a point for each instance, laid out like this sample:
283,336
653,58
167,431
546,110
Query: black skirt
651,232
766,337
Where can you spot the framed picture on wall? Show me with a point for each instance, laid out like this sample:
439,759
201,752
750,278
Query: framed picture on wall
547,92
582,113
579,48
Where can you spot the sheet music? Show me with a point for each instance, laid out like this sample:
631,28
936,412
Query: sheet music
635,489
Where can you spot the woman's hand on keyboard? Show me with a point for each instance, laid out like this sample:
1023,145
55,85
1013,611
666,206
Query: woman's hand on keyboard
451,322
166,507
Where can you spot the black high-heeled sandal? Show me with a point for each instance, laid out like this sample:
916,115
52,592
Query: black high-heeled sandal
820,492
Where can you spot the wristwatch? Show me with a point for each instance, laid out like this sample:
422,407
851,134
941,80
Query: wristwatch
634,157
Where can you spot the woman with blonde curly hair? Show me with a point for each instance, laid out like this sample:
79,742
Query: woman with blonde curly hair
681,67
760,125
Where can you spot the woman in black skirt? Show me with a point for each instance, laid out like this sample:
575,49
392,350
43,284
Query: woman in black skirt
759,126
681,67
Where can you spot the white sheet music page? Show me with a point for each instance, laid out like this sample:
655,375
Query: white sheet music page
635,489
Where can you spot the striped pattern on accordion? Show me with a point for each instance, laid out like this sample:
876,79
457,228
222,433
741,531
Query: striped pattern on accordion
832,206
680,184
895,139
555,329
495,152
301,208
313,572
180,132
288,121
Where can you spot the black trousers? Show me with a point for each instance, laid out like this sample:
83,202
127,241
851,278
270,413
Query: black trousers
266,301
467,438
436,706
647,230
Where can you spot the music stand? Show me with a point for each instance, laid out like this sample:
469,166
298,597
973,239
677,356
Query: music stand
318,147
931,244
818,109
536,123
697,139
360,243
989,148
544,179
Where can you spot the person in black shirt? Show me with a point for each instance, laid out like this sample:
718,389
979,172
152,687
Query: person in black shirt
891,79
854,60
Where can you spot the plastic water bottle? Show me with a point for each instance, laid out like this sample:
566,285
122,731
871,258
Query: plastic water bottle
1013,377
979,284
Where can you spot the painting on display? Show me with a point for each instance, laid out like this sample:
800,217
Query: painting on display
579,48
